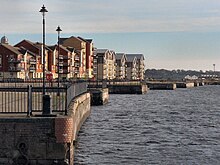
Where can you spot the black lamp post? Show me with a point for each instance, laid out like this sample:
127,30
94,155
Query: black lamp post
58,63
43,10
46,98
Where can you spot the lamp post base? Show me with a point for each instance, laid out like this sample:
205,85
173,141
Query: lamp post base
46,105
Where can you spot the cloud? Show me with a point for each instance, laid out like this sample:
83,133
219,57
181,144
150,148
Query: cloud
111,15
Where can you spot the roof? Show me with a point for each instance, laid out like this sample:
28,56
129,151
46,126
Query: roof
11,48
85,40
130,58
23,50
78,38
139,56
53,47
31,43
119,56
70,49
39,44
101,51
62,40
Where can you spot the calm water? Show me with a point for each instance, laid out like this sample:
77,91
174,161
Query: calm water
161,127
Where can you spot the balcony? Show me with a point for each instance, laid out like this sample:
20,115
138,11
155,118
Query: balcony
76,71
13,60
77,58
63,64
61,57
32,69
32,61
15,69
76,64
64,71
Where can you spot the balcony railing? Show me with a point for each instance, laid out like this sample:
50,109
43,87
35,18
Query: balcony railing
63,57
32,69
76,64
77,58
13,60
15,69
63,63
32,61
65,71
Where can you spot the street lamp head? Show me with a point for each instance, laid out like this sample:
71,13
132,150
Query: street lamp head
58,29
43,10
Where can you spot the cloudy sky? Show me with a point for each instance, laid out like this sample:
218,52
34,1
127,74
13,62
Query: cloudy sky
172,34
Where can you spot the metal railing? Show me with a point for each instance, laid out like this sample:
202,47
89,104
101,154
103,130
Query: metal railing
21,100
107,83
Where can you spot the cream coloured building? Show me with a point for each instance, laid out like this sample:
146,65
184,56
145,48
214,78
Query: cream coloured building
104,64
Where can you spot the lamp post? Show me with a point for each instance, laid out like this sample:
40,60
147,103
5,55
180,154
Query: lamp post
46,98
214,70
43,10
58,63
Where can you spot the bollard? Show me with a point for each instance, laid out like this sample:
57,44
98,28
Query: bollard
46,105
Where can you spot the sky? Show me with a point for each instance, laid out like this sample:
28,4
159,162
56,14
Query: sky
172,34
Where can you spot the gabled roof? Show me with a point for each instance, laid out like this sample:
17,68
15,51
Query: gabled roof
139,56
29,42
119,56
53,47
11,48
85,40
130,58
63,39
70,49
23,50
101,51
39,44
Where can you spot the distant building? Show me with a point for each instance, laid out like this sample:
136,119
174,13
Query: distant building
120,66
89,56
140,66
80,47
36,63
105,64
131,67
66,62
11,61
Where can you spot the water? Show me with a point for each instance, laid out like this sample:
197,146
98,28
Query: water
161,127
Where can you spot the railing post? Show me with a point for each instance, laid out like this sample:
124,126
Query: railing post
66,100
29,112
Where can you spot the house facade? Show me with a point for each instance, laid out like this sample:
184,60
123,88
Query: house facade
37,60
120,66
12,64
105,64
140,66
131,67
80,48
89,56
63,61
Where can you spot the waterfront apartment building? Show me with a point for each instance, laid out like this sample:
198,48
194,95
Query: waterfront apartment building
11,62
140,66
63,60
131,67
104,64
120,66
37,60
80,48
89,56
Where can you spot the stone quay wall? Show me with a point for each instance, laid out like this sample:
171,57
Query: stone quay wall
42,140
